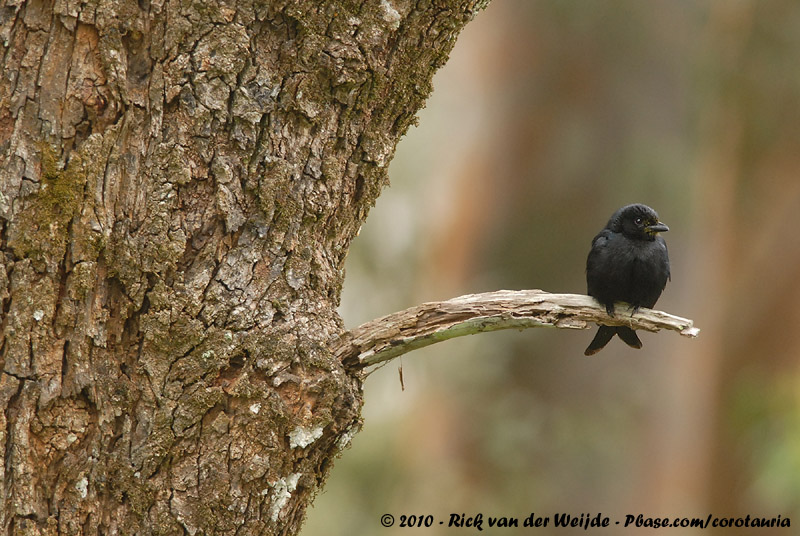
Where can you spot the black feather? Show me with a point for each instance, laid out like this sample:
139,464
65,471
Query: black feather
628,262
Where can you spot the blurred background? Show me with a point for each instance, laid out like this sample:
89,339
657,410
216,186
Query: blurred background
549,116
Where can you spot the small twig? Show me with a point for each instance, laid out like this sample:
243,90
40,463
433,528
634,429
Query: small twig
392,335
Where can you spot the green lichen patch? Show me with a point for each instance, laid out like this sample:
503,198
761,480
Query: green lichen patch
41,231
49,220
128,487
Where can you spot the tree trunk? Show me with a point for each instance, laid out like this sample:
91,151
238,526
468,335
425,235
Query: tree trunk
179,186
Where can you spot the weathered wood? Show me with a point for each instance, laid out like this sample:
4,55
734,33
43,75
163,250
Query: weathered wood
393,335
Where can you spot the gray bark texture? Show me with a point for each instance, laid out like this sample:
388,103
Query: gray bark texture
180,182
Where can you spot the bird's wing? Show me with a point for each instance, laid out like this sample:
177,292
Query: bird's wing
598,245
601,237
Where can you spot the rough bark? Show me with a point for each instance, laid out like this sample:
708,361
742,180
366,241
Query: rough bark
179,186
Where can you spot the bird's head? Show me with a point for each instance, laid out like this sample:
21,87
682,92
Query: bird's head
637,222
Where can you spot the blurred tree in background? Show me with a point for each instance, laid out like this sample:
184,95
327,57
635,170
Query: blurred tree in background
549,116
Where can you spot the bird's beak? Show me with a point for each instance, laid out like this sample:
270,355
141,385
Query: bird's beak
657,228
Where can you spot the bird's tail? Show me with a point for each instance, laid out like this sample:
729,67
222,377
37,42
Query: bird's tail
629,336
605,333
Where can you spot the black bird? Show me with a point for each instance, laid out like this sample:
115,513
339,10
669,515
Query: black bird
628,263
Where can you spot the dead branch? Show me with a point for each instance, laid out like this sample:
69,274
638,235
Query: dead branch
393,335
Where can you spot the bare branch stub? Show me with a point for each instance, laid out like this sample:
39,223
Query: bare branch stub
390,336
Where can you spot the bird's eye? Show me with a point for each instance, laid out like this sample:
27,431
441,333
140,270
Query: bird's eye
638,221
